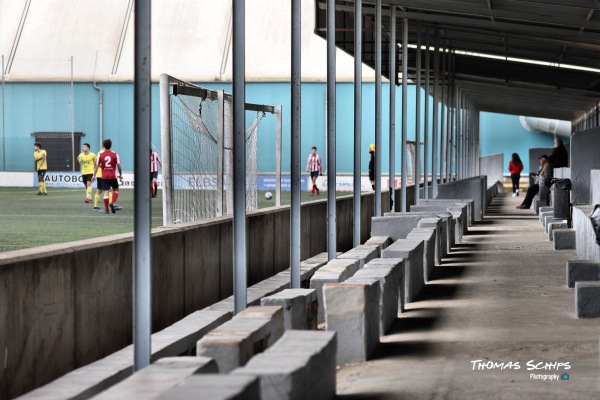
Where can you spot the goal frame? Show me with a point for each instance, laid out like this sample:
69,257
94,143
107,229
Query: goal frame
167,89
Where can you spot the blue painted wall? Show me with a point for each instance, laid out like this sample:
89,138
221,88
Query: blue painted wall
46,107
501,133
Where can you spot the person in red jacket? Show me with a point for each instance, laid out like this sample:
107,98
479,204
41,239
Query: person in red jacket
515,166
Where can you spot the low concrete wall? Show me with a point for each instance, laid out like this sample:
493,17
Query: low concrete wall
562,173
471,188
493,167
595,186
585,238
68,305
585,147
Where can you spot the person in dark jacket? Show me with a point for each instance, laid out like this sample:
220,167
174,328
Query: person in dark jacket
372,165
560,156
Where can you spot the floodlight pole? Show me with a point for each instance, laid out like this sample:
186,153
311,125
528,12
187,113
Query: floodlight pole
72,119
239,157
331,133
357,118
378,148
142,273
296,116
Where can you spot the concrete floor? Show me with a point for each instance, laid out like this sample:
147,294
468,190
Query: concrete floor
500,296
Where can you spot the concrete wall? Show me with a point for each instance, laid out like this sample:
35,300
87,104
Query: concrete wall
595,186
585,151
69,304
534,155
471,188
492,166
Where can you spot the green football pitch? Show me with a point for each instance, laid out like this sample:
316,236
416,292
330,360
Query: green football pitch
28,220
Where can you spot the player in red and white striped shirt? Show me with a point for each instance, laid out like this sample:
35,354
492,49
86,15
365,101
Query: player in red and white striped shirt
154,163
314,166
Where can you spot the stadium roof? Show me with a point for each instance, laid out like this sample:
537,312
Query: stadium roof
528,57
190,40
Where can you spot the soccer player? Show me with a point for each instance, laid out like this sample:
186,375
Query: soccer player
154,163
87,160
110,162
41,166
314,165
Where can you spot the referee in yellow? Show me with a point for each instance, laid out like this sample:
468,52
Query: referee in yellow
87,159
39,156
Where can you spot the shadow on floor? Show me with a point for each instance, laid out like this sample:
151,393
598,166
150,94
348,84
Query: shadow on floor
395,349
369,396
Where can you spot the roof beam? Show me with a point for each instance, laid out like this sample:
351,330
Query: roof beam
475,11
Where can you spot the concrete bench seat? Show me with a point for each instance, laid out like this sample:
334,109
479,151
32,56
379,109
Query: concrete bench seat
396,265
582,271
399,225
427,235
335,271
175,340
381,241
411,251
564,239
352,310
301,365
299,307
215,387
459,213
474,188
436,224
363,253
587,299
557,224
250,332
451,202
389,279
159,377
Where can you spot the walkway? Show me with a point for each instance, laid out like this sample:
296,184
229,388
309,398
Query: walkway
500,296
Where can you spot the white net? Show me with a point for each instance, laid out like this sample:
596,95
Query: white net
200,187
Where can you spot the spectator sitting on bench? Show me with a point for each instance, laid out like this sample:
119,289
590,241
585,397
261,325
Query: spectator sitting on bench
542,178
560,156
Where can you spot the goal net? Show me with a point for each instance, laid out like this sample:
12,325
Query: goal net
197,143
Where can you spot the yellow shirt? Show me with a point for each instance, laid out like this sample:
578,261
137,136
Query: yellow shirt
40,164
88,162
99,173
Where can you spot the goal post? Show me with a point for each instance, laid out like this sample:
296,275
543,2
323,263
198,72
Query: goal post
197,141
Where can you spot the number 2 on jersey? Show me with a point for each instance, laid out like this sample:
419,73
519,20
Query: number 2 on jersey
107,162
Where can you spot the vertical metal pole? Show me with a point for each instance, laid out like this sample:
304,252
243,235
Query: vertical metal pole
3,122
392,141
449,124
418,119
404,112
443,119
296,117
458,134
436,119
142,262
426,117
278,156
72,119
221,202
165,144
331,137
378,149
357,117
239,156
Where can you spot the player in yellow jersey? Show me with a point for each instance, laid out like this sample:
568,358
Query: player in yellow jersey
87,160
41,165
